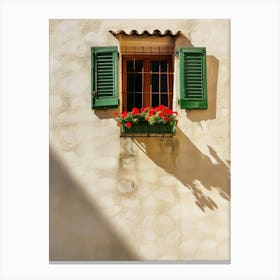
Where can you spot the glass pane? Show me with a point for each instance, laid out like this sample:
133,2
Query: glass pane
163,66
155,66
164,99
130,101
163,83
129,65
155,100
138,100
138,83
138,65
155,83
134,65
130,82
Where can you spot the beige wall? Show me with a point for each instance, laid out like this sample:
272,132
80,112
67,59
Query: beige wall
123,178
70,42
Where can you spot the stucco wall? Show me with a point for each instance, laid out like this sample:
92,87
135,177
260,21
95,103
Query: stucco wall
146,189
70,42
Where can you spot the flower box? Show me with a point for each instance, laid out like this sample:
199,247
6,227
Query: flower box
147,121
147,129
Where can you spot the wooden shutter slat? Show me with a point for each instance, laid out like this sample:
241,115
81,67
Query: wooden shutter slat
105,75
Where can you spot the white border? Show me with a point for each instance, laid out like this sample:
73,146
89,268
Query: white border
255,138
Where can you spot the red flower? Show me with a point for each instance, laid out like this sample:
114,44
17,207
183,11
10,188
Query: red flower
124,114
128,124
135,111
144,109
152,111
160,107
161,114
168,111
166,119
116,114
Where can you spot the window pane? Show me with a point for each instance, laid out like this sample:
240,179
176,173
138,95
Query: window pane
138,100
134,100
155,66
164,99
163,65
130,82
138,82
129,66
130,101
163,83
155,100
138,65
155,83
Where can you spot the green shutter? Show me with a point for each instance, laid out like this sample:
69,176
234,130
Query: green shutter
104,77
193,83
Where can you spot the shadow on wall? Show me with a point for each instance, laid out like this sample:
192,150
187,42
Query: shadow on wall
212,65
77,229
107,113
182,41
181,158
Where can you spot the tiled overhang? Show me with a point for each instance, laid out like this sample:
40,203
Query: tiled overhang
146,33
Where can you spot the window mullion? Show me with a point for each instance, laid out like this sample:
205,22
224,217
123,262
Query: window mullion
167,81
147,82
159,83
134,76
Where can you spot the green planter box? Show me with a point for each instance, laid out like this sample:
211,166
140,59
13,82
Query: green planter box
146,129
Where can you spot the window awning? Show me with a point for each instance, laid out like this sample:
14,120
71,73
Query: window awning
146,33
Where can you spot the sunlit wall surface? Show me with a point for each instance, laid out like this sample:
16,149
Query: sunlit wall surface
147,198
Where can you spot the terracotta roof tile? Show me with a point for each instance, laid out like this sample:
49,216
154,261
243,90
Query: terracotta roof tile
156,33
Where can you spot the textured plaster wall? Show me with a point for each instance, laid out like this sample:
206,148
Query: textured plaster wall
211,127
151,199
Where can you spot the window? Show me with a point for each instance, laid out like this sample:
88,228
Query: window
147,80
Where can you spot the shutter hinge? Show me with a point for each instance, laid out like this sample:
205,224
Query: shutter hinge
94,94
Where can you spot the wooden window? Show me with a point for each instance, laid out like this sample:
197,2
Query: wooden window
147,81
193,82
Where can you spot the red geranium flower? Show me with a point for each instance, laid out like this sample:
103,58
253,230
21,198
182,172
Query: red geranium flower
152,111
135,111
144,109
124,114
160,107
168,111
152,115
